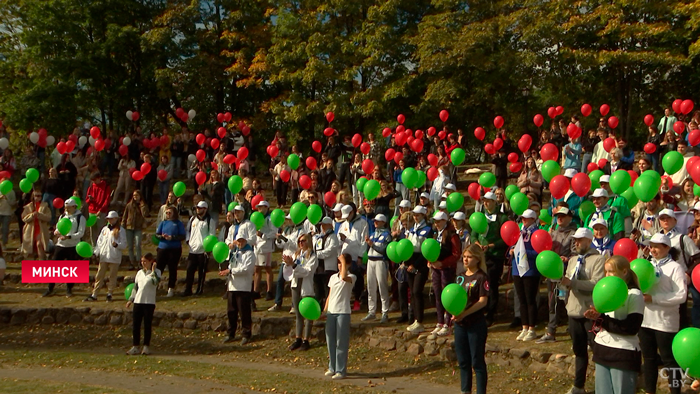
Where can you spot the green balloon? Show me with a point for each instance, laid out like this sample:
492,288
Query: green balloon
277,217
696,190
392,252
653,174
314,213
595,179
25,185
258,220
550,169
409,177
550,265
5,187
430,249
365,257
620,181
84,249
645,273
487,179
545,217
422,178
293,161
220,252
672,162
685,347
454,299
78,201
32,174
209,243
585,209
309,308
179,189
154,240
478,223
91,220
235,184
232,205
510,190
360,184
127,290
631,198
372,189
455,200
457,156
404,249
519,203
298,212
609,294
64,226
646,187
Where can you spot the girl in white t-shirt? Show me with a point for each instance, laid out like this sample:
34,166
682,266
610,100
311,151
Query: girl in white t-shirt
338,312
143,297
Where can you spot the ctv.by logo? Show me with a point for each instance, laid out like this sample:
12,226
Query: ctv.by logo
679,375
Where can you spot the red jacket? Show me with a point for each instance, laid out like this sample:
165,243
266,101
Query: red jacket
98,197
450,249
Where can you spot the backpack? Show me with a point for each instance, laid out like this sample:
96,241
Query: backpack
208,219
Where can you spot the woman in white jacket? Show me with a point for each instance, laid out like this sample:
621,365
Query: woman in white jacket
301,268
110,243
238,278
143,298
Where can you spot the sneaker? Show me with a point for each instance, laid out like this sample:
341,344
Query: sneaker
394,306
370,316
90,298
296,345
356,306
109,298
229,339
546,338
329,373
245,341
171,292
385,318
69,294
47,293
438,327
576,390
133,351
305,345
146,351
531,335
417,329
338,376
292,311
274,308
410,327
521,335
444,331
517,322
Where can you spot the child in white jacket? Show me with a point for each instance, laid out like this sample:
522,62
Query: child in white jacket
110,243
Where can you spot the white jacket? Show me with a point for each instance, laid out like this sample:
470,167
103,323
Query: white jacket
196,230
669,291
304,273
438,188
327,250
246,228
242,265
289,246
8,203
145,285
76,232
105,249
266,242
355,234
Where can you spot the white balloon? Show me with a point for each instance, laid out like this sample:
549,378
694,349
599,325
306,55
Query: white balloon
129,115
50,140
191,158
4,143
34,137
92,141
82,141
192,114
126,141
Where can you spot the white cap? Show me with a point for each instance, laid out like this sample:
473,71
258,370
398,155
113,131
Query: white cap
424,195
442,205
239,208
561,211
112,215
697,206
327,220
440,216
444,196
288,216
405,204
380,218
337,207
490,196
659,238
346,210
667,212
583,232
530,214
420,209
71,203
604,179
203,204
460,216
570,172
263,203
600,193
598,222
450,186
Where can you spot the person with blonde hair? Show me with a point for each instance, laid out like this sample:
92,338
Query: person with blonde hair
300,267
110,244
36,217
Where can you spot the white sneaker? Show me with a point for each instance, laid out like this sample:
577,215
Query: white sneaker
521,335
444,331
329,373
531,335
274,308
370,316
146,351
292,311
133,351
338,376
171,292
417,329
437,328
409,328
576,390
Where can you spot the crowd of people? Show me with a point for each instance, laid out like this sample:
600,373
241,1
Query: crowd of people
343,261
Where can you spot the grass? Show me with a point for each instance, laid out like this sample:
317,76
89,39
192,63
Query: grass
40,386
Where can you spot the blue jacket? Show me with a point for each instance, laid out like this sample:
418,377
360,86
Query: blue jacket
572,159
176,229
397,175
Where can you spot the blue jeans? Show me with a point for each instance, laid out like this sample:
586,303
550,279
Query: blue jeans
614,381
163,189
654,159
133,239
587,157
48,198
695,311
279,294
338,340
470,346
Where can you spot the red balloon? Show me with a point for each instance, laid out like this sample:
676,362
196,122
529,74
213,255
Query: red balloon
241,124
626,248
95,132
410,138
330,116
274,150
70,144
305,182
649,148
552,112
538,120
164,140
604,109
498,121
696,277
328,131
510,232
479,133
220,118
573,131
419,134
135,116
694,137
61,147
432,173
123,150
442,134
400,139
586,109
364,148
228,159
43,133
386,132
677,105
201,138
179,112
285,175
356,140
329,199
367,166
686,106
400,119
694,170
613,122
214,143
679,127
444,115
201,155
398,156
432,160
541,240
602,162
316,146
474,190
5,175
431,131
311,163
524,143
512,157
145,168
608,144
488,148
633,176
137,175
162,174
560,110
242,153
228,117
515,167
417,145
221,131
549,152
498,144
559,186
581,184
200,178
73,138
592,167
400,129
58,203
245,130
99,145
648,119
389,154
